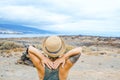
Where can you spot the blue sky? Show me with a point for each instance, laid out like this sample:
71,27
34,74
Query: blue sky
68,16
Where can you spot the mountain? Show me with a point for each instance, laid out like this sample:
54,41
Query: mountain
6,28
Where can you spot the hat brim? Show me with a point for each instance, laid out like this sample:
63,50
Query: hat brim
60,52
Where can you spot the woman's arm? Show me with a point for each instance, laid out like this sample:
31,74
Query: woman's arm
36,52
72,55
73,52
44,60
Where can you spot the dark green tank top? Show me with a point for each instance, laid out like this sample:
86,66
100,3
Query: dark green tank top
51,74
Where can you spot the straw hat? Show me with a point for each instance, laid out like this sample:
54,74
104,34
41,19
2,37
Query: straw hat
53,46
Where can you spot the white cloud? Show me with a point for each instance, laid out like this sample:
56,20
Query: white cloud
29,13
86,25
64,15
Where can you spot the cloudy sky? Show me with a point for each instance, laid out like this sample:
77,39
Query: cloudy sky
67,16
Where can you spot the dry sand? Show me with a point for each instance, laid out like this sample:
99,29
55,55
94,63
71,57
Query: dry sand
101,62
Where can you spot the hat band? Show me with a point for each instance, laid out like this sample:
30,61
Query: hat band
54,51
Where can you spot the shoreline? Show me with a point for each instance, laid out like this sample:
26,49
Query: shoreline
44,35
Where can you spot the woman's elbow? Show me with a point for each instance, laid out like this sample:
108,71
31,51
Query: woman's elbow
30,49
79,50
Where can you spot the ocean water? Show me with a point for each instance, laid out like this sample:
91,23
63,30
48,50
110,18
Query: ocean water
22,35
41,35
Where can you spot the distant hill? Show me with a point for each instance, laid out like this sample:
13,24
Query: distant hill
23,29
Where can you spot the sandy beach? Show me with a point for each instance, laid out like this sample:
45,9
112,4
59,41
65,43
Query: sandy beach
100,59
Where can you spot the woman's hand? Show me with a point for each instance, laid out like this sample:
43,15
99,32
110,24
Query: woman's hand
46,61
59,61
